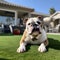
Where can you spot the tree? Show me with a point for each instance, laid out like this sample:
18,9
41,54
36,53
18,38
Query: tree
52,11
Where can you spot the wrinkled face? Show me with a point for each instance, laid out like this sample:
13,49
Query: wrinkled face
34,26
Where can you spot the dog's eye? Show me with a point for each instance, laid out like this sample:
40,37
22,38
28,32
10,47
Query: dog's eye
38,22
28,23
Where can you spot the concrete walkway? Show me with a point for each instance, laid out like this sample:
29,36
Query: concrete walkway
54,33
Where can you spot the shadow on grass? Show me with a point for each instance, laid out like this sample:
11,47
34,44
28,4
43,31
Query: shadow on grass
55,44
28,47
7,34
4,59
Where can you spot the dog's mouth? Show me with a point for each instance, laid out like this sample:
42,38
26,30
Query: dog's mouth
35,32
35,29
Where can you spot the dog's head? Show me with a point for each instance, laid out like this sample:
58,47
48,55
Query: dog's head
34,25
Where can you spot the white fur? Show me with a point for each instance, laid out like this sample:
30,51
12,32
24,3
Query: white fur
21,48
40,38
42,48
30,20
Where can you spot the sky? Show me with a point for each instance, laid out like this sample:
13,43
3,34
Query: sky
39,5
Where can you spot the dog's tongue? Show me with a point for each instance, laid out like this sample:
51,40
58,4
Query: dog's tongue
35,33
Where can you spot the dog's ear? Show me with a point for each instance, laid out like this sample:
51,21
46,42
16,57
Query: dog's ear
25,20
40,18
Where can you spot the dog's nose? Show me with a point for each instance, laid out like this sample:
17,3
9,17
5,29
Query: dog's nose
35,25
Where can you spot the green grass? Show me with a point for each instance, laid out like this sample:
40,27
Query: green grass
9,45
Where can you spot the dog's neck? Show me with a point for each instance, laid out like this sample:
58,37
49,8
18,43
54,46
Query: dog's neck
35,37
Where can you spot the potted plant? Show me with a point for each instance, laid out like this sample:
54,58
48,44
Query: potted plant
16,31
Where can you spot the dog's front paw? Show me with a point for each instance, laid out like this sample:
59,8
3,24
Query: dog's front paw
21,49
42,48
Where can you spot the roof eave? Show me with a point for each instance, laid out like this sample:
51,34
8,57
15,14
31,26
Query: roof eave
18,6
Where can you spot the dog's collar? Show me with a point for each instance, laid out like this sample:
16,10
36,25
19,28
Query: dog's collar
35,38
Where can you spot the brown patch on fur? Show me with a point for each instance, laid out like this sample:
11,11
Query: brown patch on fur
25,20
23,37
46,42
40,17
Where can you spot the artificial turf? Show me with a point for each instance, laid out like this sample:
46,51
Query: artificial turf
10,43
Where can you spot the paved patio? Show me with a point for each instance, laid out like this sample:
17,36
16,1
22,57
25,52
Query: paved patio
54,33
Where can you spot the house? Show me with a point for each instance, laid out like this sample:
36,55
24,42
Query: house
14,14
12,10
53,22
35,14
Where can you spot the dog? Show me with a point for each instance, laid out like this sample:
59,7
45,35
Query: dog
34,34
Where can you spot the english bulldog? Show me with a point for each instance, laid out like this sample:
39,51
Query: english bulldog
34,34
